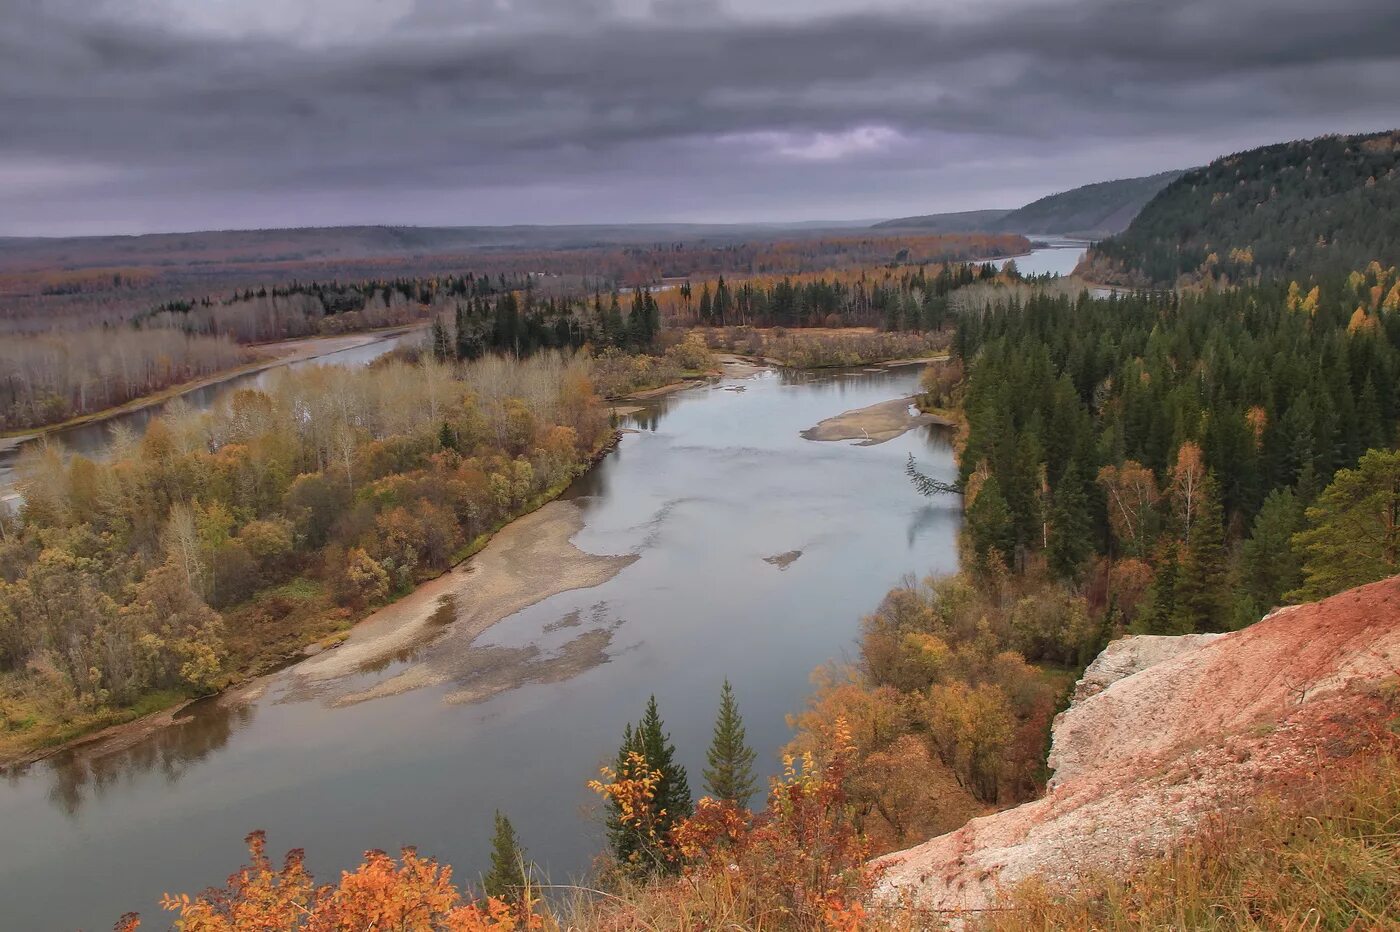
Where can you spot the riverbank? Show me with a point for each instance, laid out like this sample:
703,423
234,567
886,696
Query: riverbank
281,353
530,560
876,423
319,631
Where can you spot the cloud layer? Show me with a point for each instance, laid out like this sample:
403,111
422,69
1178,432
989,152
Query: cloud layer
123,115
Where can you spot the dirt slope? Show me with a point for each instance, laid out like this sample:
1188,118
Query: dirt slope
1165,731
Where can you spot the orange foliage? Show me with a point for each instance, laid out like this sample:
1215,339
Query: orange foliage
415,894
802,859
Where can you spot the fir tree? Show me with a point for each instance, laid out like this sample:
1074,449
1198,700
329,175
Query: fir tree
1271,567
508,877
729,776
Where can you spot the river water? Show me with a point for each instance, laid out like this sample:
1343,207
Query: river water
715,479
1054,258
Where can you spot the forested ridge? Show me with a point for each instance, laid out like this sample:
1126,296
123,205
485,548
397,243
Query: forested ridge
1294,209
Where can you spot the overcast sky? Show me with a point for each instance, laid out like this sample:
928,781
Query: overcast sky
147,115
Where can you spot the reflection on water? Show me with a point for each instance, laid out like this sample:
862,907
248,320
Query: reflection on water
709,486
198,731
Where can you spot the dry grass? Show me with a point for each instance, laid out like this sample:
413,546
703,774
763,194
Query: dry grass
1325,855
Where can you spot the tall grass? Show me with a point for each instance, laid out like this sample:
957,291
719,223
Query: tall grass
1325,856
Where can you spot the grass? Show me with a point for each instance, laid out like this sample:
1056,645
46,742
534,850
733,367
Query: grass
1325,855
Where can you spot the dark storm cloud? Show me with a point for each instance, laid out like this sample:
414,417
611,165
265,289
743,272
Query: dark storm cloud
124,115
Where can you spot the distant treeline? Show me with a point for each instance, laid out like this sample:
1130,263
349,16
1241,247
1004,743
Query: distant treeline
892,298
82,282
49,378
1295,209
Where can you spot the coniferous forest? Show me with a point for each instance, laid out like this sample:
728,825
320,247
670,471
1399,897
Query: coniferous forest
1291,210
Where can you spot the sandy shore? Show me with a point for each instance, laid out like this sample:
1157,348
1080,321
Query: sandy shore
432,628
875,424
738,367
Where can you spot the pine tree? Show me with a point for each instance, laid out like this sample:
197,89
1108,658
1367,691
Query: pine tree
1201,588
1353,536
1071,528
989,522
729,776
442,346
671,801
508,876
673,789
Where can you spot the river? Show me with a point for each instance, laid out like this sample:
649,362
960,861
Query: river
1057,257
714,480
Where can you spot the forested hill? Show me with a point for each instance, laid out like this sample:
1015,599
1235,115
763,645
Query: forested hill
965,221
1091,211
1293,209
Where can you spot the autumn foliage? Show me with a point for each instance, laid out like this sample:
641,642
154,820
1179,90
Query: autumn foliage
411,894
798,864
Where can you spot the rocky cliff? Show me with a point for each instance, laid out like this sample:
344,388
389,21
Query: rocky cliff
1165,731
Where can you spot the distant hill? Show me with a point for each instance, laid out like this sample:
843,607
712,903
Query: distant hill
1293,209
967,221
304,244
1093,211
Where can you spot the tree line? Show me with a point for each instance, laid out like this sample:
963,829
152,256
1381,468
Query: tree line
1165,450
895,297
52,377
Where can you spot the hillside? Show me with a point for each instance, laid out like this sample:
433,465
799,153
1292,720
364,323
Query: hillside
958,222
1162,733
1091,211
1293,209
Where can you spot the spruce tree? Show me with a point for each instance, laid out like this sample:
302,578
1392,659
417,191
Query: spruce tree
1071,528
729,776
507,878
672,789
626,842
990,524
1201,587
442,346
670,802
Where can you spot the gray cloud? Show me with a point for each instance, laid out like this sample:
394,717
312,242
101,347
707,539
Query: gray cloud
165,115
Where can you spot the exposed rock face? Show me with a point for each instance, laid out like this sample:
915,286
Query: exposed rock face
1166,731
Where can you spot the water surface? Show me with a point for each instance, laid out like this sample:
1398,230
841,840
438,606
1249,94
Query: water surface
715,480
